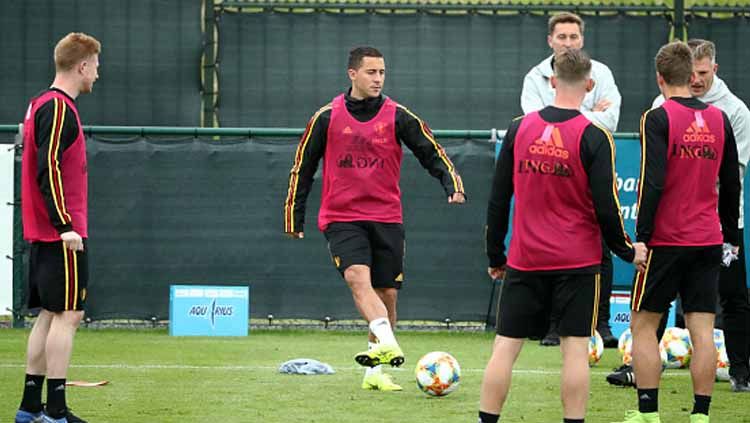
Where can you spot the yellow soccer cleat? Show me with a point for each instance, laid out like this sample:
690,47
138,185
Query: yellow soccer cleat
380,382
638,417
382,354
699,418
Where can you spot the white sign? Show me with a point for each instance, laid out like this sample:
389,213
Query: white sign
6,228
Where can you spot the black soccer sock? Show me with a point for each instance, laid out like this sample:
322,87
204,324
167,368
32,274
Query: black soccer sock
32,393
701,405
572,420
56,407
648,400
488,418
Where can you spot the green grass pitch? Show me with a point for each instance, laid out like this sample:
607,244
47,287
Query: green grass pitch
157,378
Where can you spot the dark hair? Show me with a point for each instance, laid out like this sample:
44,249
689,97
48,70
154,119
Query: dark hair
674,62
564,17
572,65
358,53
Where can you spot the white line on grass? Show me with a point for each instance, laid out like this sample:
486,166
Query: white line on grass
255,368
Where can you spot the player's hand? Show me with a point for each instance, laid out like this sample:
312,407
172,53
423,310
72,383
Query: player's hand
295,235
602,105
641,255
72,241
457,198
641,252
729,253
496,272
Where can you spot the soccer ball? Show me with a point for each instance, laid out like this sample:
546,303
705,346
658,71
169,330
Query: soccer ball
438,373
722,361
676,345
596,348
625,347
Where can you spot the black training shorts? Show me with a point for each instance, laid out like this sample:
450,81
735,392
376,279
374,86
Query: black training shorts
693,272
58,277
528,299
377,245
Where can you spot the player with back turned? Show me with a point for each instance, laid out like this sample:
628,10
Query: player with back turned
559,166
687,146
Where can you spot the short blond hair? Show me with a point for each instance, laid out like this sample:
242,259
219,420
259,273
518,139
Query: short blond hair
674,62
572,66
73,49
702,49
564,17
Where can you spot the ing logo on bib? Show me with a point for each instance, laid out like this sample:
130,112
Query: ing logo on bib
696,141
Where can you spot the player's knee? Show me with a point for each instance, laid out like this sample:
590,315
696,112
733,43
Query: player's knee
357,275
72,318
700,338
574,345
506,346
644,323
44,317
388,295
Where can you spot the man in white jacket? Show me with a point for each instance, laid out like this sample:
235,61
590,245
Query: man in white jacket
733,294
601,106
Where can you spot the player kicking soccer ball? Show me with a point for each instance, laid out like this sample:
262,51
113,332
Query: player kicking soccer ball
359,135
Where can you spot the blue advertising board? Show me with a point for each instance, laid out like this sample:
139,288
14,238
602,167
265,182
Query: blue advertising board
627,166
206,310
619,319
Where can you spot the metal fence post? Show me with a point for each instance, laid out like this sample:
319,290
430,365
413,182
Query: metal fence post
19,245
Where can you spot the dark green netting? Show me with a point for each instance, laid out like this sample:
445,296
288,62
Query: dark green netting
460,71
194,211
456,71
150,61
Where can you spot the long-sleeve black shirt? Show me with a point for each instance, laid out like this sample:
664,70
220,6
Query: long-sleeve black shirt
45,122
655,140
597,157
410,130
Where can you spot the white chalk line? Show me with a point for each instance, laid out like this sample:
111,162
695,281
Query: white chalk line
250,368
